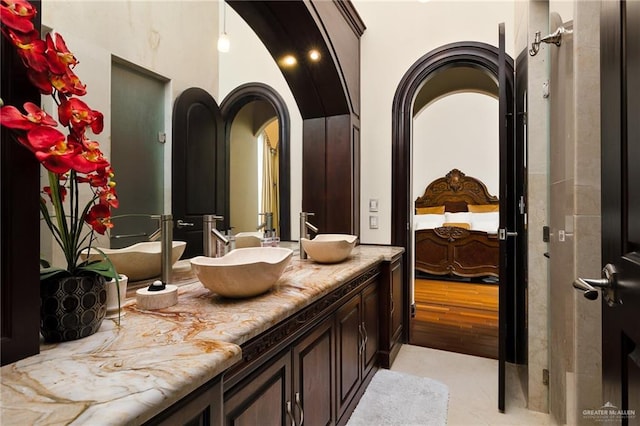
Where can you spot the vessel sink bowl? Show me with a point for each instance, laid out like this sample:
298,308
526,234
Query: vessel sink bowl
139,261
243,272
329,248
248,239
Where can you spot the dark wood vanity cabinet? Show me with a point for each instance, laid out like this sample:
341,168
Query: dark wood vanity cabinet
357,328
391,310
296,386
201,407
321,361
312,367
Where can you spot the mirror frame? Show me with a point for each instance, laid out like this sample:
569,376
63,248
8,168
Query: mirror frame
230,106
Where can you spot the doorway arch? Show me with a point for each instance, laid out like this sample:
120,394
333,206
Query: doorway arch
230,106
478,55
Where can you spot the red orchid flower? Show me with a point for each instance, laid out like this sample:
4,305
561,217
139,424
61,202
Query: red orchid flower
63,192
60,58
89,157
31,49
11,117
56,152
94,179
99,179
68,83
17,15
109,197
43,138
99,218
41,81
76,113
89,161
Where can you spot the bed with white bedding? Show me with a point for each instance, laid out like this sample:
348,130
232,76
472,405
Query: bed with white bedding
456,222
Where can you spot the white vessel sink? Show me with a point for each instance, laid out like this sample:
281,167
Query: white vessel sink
248,239
329,248
139,261
243,272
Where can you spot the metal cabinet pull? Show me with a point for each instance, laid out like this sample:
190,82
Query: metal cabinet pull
608,284
366,336
293,421
361,345
299,404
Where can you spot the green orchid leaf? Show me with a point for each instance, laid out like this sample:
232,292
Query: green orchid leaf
52,271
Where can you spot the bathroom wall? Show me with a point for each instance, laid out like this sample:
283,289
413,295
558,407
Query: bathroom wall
575,212
534,16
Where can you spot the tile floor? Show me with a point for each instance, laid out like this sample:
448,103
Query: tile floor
473,387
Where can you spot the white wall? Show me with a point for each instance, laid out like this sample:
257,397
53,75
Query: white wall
399,33
457,131
171,38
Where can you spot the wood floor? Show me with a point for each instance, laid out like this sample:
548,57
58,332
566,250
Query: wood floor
456,316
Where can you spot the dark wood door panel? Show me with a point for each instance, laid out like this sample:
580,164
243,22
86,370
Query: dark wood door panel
261,398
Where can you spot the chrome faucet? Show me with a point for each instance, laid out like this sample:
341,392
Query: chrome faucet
165,233
267,225
155,234
304,233
212,238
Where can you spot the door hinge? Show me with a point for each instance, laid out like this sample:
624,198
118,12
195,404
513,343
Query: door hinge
413,310
545,377
521,204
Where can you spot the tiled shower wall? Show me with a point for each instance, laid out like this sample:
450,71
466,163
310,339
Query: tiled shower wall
574,179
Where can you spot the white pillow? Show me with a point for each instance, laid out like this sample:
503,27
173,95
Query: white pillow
485,222
428,221
460,217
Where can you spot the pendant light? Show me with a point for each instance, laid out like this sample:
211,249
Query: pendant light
223,41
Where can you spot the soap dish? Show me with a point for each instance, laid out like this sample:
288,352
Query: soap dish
157,296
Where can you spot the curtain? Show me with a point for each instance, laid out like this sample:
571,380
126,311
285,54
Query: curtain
270,193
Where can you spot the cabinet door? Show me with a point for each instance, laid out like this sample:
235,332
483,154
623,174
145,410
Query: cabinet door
203,407
263,398
314,376
349,349
370,327
396,302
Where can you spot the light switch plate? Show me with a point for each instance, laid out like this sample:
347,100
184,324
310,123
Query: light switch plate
373,222
373,205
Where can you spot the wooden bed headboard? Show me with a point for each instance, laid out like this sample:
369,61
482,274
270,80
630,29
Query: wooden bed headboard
455,191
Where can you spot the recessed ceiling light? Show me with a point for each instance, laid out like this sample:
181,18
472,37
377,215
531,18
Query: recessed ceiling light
314,55
289,60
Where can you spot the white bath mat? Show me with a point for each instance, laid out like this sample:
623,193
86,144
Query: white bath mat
396,399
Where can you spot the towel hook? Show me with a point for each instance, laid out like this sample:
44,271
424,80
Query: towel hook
553,38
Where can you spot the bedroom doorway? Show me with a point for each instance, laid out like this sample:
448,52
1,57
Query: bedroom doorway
456,251
484,60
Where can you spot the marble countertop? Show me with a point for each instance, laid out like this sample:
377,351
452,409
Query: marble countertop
127,373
